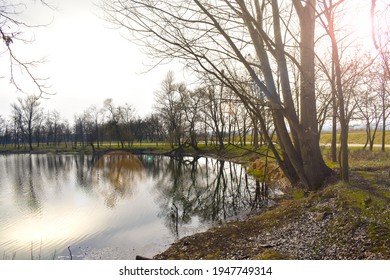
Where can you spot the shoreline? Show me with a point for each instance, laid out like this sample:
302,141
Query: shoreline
243,158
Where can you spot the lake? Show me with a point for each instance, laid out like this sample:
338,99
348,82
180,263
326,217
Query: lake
117,205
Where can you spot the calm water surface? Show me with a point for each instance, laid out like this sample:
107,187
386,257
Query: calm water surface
117,205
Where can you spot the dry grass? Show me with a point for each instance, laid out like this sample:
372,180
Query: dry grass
355,137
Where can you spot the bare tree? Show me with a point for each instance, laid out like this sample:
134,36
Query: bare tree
27,113
191,101
126,112
97,115
214,109
369,112
3,128
118,121
380,30
385,105
79,131
378,85
116,115
150,129
169,105
12,32
90,119
346,71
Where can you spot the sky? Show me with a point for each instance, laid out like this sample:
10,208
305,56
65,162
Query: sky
87,62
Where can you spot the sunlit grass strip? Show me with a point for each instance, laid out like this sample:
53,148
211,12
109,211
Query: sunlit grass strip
355,137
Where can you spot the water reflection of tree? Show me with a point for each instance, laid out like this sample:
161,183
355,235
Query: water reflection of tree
26,190
31,175
116,175
211,190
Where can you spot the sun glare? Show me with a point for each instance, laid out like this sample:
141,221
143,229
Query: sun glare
360,23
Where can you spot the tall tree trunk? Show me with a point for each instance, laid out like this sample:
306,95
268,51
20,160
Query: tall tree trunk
344,163
333,146
302,157
383,134
255,135
383,117
312,160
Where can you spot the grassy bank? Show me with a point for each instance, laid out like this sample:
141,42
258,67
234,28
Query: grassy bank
230,152
69,148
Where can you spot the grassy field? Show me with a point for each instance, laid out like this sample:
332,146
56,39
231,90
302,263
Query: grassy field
355,137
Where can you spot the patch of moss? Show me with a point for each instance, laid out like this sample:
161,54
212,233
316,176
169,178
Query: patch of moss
270,254
380,234
264,171
182,256
332,164
213,256
298,194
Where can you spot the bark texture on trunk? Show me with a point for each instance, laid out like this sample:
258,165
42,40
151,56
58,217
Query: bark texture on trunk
312,161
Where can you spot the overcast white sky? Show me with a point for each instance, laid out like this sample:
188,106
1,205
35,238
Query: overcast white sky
87,62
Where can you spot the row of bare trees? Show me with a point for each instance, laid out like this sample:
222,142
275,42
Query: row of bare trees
357,80
29,126
210,113
213,110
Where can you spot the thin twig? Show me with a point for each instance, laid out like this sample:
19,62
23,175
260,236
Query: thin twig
70,253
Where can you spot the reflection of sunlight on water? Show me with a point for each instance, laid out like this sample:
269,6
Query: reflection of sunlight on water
62,223
49,227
